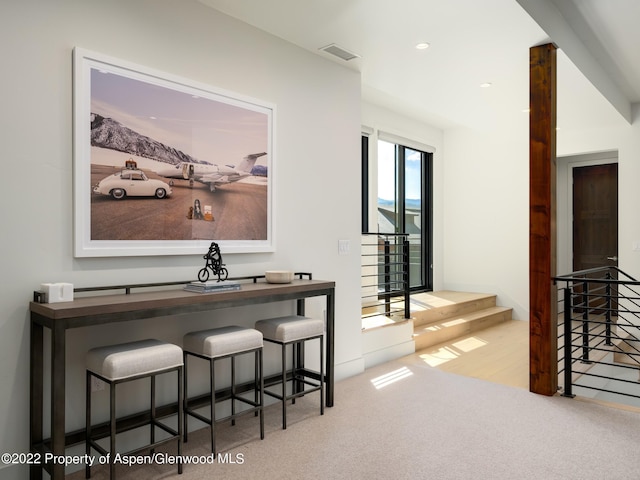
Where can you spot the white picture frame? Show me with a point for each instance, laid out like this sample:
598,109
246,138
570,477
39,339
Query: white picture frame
198,140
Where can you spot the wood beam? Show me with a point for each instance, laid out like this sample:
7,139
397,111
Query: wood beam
543,364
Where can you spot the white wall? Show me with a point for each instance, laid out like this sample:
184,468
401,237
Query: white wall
317,162
486,212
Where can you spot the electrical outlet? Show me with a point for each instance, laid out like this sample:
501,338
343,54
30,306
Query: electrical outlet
96,384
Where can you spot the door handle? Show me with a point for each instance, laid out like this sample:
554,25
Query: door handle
614,258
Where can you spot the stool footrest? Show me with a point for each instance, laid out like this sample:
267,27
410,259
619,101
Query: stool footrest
314,388
214,345
101,432
238,414
159,443
255,408
117,364
294,330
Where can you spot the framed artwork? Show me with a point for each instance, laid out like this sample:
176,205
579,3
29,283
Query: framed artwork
164,165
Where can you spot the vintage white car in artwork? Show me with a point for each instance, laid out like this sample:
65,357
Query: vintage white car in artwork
132,183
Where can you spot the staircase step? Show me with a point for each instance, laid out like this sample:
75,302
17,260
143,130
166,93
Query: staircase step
433,333
627,351
427,308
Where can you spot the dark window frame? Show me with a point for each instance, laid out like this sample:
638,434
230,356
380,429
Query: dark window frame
426,159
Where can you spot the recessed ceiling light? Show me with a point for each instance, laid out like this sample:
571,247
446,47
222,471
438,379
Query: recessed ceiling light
485,85
422,46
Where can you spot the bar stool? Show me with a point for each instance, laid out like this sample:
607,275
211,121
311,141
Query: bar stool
116,364
217,344
295,330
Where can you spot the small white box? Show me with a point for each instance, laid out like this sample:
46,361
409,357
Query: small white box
57,292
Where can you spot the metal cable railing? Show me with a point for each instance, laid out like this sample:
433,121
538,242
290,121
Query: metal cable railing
599,332
385,275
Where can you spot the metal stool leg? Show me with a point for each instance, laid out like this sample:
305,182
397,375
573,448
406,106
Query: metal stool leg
185,416
112,429
152,430
180,417
255,379
284,386
87,433
295,364
261,396
321,376
213,407
233,390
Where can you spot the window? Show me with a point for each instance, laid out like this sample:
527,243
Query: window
404,204
365,182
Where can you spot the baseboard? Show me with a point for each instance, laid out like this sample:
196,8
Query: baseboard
389,353
349,369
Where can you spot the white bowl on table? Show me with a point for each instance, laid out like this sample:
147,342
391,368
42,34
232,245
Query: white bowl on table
278,276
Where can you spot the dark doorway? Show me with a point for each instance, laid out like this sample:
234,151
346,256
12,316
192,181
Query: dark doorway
595,228
595,216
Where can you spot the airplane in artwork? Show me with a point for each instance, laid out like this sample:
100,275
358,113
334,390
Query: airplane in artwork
212,175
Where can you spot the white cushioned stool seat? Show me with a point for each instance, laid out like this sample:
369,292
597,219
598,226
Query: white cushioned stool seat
291,328
143,357
295,330
219,345
218,342
130,362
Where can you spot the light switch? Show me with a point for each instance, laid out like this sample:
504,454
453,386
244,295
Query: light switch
343,247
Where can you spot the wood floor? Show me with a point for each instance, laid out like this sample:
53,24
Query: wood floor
498,354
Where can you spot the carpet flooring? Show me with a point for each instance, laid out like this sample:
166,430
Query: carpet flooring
406,420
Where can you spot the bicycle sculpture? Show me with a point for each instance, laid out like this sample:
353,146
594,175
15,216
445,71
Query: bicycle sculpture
214,263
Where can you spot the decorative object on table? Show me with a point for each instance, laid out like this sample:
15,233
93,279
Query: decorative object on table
278,276
212,286
56,292
214,263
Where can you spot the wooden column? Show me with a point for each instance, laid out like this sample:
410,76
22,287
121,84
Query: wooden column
543,366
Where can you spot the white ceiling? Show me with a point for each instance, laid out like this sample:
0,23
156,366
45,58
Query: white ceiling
471,42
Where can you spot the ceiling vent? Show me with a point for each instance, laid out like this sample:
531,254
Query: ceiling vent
339,52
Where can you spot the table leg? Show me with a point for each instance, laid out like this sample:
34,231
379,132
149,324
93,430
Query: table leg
58,374
36,394
330,350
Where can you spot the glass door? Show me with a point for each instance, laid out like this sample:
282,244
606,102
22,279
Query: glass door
404,204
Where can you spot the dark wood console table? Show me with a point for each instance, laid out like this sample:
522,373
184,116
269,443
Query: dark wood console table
97,310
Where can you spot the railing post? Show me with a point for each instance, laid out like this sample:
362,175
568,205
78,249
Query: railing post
405,279
608,313
568,363
387,278
585,323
